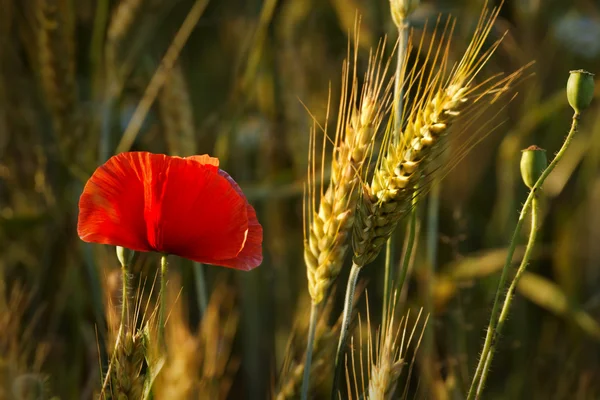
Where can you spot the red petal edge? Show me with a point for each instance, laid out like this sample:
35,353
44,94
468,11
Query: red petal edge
111,207
203,218
251,255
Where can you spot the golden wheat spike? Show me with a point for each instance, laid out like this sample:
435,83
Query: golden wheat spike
329,224
438,102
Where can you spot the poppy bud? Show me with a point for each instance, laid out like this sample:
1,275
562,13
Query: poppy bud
580,89
533,164
125,255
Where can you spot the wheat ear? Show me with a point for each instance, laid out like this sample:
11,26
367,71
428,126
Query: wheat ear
391,350
176,114
56,58
329,225
437,104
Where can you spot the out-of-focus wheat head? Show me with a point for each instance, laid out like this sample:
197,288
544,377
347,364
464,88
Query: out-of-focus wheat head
328,223
389,359
437,99
119,25
326,336
386,356
56,60
20,358
199,365
176,114
127,371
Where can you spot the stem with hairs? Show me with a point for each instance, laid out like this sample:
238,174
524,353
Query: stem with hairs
312,328
511,291
346,317
164,269
491,331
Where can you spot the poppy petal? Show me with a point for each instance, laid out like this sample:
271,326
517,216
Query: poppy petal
251,255
205,159
202,217
111,207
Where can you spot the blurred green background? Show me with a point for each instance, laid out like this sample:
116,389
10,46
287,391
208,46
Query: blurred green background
72,75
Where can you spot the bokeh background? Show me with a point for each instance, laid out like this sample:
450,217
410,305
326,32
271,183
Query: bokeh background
71,77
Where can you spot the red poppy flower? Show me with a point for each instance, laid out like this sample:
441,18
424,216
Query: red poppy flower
182,206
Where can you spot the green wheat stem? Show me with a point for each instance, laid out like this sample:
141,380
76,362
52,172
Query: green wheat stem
410,243
511,291
201,292
312,328
398,109
388,268
491,331
433,214
346,317
164,269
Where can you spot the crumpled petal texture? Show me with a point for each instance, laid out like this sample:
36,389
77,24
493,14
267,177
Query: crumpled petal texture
182,206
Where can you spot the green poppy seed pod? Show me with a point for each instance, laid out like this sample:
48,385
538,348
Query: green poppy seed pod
125,255
580,89
533,164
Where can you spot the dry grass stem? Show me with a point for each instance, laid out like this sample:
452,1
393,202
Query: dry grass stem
328,224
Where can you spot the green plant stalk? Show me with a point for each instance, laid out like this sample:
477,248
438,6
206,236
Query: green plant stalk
312,328
347,315
164,269
433,208
201,292
491,332
125,300
511,291
389,249
410,243
398,109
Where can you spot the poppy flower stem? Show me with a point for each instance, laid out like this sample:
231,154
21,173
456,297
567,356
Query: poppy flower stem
164,269
478,382
125,299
